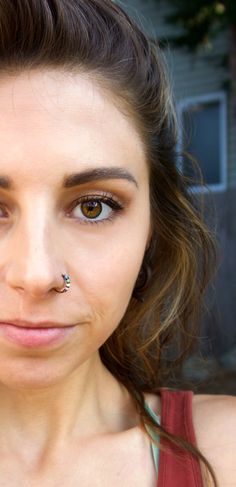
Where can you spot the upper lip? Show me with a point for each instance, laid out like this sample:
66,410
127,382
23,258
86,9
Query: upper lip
34,324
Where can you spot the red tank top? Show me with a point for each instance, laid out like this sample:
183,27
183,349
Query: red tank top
178,468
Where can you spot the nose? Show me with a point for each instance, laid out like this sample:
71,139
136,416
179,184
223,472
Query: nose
32,262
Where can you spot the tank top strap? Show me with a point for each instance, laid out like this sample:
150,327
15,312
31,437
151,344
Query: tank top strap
154,436
178,467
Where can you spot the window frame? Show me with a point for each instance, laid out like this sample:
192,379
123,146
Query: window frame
220,97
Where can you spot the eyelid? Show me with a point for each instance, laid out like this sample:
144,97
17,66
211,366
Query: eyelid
103,196
107,198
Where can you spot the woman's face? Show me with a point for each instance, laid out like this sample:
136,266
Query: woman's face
74,199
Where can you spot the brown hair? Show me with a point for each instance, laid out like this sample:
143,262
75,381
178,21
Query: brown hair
98,37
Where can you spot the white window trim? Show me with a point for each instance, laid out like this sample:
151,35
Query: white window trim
219,96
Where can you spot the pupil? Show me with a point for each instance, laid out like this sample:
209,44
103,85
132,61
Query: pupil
91,209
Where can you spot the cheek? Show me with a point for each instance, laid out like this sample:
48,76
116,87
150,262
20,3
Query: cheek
107,264
115,254
107,285
121,274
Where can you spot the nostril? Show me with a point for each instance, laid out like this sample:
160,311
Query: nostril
35,282
66,285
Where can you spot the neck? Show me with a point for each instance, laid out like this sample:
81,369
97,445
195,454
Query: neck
90,401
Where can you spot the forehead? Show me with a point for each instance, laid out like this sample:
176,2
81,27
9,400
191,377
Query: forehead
53,116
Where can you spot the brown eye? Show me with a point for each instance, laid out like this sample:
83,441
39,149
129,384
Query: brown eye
91,209
96,209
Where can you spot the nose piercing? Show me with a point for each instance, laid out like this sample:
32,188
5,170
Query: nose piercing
66,287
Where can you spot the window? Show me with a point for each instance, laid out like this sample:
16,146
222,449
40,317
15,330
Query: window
203,122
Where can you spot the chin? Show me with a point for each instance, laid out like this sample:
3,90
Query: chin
36,374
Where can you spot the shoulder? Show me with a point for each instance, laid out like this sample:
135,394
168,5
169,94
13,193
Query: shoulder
214,419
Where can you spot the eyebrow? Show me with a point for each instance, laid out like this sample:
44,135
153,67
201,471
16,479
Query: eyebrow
83,177
97,175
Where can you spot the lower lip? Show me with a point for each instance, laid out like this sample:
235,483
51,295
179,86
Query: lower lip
34,337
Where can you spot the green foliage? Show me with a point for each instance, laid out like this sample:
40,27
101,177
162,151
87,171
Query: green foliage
200,20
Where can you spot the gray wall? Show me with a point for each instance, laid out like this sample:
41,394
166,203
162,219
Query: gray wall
220,322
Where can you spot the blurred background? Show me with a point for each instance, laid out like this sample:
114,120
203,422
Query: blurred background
199,42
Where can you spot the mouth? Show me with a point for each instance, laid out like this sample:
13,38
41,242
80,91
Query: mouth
35,334
34,324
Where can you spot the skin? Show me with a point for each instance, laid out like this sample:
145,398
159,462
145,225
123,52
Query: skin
59,406
60,402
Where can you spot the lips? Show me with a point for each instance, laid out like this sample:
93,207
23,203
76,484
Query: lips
34,324
35,334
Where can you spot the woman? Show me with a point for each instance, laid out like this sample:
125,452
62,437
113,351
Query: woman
103,261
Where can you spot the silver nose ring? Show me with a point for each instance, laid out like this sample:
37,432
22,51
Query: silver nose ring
66,286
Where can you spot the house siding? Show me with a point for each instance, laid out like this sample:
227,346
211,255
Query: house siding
191,75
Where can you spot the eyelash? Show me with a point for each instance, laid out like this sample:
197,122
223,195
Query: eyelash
105,198
116,206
